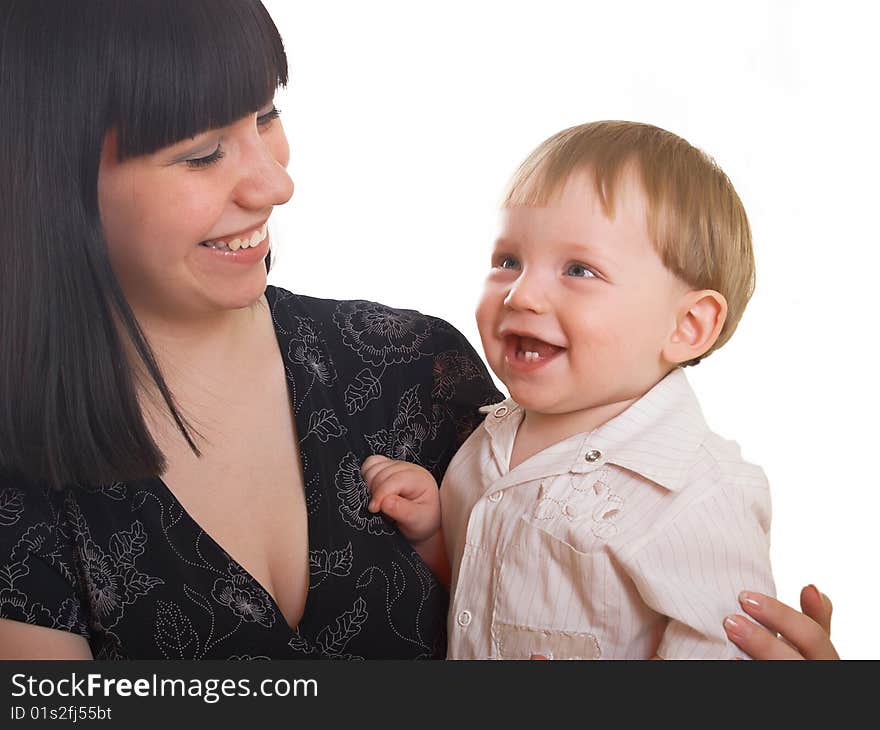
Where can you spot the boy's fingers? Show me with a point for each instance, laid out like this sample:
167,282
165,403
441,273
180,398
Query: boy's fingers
404,483
374,459
399,482
373,463
756,641
380,490
399,510
380,470
412,521
807,636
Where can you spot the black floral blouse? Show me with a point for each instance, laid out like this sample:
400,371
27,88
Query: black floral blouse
126,567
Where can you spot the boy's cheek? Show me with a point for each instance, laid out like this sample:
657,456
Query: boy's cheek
486,325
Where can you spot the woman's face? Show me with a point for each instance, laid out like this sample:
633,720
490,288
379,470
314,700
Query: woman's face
186,226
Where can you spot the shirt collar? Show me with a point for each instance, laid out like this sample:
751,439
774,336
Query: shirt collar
657,437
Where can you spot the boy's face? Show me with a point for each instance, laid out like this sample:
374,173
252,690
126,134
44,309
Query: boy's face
578,306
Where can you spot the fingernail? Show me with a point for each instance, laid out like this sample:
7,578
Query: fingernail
736,626
749,599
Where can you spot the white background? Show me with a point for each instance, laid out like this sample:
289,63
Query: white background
406,118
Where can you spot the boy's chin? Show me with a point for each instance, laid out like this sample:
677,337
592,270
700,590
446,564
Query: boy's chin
533,399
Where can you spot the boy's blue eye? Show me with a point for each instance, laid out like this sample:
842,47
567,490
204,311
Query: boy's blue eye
580,271
198,162
508,262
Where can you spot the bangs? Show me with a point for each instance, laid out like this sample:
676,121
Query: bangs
596,149
183,68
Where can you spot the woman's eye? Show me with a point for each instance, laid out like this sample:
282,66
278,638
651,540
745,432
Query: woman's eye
198,162
580,271
507,262
264,120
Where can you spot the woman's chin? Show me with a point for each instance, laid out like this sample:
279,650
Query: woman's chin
244,295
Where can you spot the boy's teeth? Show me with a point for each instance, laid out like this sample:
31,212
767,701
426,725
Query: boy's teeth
529,355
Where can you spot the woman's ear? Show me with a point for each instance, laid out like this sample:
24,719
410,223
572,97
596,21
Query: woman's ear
698,323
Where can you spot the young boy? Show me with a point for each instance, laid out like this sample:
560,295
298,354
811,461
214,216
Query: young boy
593,514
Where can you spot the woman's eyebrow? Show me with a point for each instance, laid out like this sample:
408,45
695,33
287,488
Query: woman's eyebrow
190,149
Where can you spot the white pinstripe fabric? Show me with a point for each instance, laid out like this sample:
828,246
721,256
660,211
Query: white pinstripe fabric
626,542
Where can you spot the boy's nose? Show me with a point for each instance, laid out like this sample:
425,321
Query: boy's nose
526,295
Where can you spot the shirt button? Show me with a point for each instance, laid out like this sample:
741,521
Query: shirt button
593,455
500,412
464,618
496,496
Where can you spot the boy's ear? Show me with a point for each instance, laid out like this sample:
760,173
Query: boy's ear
698,323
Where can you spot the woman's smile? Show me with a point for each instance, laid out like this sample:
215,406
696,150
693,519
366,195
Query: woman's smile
238,240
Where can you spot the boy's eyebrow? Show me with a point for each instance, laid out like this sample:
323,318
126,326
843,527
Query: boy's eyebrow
603,263
589,251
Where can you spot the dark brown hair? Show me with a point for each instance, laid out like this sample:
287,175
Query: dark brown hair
156,71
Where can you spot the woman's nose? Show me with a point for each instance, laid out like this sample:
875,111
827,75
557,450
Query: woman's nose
264,181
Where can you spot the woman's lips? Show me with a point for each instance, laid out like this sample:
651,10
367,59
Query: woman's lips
528,353
242,255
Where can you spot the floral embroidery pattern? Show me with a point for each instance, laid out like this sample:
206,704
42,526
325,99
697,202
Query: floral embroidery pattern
14,605
323,564
240,595
112,579
451,369
333,639
11,506
408,432
38,543
325,425
364,389
395,587
353,499
381,335
308,351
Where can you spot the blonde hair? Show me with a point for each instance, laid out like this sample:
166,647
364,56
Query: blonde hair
695,218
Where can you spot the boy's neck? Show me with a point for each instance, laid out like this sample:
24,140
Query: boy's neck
539,430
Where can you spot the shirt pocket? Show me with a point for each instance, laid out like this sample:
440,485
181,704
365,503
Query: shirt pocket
550,597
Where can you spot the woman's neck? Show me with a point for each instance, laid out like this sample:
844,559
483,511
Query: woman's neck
213,338
204,361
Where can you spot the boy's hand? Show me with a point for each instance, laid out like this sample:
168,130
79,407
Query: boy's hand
406,493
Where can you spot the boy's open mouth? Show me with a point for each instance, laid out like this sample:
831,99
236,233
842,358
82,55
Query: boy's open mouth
529,351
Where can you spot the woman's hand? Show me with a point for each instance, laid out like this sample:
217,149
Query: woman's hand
804,635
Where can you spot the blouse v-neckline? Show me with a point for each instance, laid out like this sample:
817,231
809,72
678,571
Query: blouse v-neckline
290,389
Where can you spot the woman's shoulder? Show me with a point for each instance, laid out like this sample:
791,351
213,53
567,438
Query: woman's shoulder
294,304
366,348
377,332
37,565
22,504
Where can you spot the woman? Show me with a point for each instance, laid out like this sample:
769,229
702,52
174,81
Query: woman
180,444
